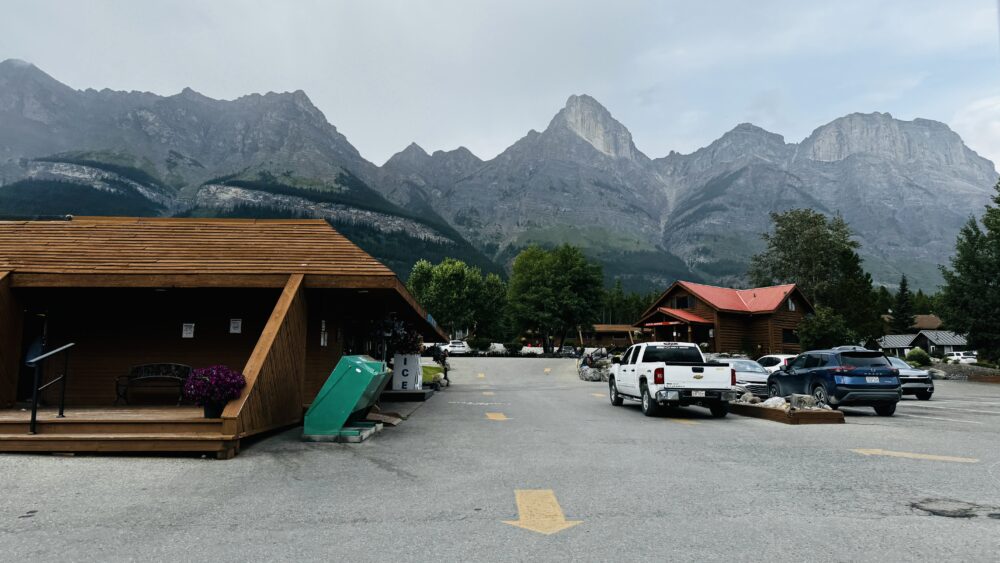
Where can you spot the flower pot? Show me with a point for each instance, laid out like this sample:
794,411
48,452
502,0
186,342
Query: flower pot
214,410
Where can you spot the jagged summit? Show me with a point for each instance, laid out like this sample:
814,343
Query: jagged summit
588,119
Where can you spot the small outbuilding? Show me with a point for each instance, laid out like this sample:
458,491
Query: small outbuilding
279,300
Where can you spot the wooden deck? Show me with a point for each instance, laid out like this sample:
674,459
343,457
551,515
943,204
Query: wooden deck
114,429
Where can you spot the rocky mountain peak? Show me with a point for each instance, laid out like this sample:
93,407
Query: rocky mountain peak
588,119
411,157
882,135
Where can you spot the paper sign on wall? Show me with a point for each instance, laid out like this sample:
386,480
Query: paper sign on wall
235,326
187,330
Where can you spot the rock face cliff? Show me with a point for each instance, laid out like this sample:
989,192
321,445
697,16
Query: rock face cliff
904,186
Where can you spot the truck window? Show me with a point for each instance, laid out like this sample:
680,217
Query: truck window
672,354
635,355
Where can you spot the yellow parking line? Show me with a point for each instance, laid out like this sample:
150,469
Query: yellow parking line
489,393
496,416
548,370
481,376
683,421
909,455
598,395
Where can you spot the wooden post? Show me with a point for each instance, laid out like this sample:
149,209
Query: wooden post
11,326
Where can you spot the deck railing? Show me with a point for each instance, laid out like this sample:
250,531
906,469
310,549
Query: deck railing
37,388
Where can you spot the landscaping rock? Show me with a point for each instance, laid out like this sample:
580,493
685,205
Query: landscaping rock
802,401
597,373
775,403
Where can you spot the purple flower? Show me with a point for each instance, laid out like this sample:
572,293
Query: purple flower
214,385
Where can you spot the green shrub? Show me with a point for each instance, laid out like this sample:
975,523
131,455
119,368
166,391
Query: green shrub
919,357
514,347
478,343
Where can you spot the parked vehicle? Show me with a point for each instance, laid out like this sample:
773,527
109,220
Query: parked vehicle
497,348
840,378
960,358
567,351
671,374
772,362
914,381
751,377
457,348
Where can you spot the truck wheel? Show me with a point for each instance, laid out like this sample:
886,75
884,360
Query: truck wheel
649,406
719,410
924,395
616,399
885,410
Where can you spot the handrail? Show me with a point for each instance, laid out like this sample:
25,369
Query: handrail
52,353
37,387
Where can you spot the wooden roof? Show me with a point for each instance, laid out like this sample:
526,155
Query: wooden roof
172,252
102,245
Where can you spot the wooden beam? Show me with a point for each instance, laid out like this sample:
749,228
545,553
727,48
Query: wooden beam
11,326
238,280
273,395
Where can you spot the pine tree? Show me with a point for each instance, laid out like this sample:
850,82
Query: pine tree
970,298
903,318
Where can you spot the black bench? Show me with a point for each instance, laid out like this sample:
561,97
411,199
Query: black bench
153,376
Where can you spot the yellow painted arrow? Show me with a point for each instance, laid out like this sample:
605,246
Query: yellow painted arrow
539,511
909,455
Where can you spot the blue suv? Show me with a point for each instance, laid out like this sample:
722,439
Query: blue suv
861,378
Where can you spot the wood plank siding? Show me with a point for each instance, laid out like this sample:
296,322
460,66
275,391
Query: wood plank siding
10,341
782,320
275,370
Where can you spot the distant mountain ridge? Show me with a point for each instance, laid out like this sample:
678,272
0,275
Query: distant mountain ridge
904,186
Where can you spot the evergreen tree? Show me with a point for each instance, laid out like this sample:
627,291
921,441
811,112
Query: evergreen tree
903,317
970,298
819,255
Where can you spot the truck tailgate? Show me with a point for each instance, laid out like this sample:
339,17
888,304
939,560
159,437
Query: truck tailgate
698,377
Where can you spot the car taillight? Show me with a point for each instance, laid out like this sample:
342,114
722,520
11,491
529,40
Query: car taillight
658,376
732,376
841,369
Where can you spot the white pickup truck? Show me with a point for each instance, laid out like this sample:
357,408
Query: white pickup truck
671,374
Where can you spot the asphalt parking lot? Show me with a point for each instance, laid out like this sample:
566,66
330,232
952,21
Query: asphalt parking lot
521,460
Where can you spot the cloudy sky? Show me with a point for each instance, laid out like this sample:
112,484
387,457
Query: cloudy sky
446,73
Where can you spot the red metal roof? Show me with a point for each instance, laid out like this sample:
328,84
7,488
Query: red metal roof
683,315
756,300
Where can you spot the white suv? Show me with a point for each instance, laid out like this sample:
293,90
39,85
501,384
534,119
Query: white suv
457,348
774,361
960,357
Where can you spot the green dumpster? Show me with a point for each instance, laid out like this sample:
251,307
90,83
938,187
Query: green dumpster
347,396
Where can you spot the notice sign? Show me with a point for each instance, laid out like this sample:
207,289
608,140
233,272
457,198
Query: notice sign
235,326
187,330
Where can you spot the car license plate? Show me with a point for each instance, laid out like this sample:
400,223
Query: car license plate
697,393
872,379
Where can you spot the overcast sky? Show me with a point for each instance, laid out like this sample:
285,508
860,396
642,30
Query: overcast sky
481,74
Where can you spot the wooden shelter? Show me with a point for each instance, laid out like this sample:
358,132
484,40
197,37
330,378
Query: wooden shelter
281,300
755,321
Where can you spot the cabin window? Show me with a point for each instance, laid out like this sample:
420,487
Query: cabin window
791,304
682,302
788,336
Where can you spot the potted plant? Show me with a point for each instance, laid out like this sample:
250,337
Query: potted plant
213,387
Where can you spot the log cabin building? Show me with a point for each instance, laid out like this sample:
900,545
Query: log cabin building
279,300
756,321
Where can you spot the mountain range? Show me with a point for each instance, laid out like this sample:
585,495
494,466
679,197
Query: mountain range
905,187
